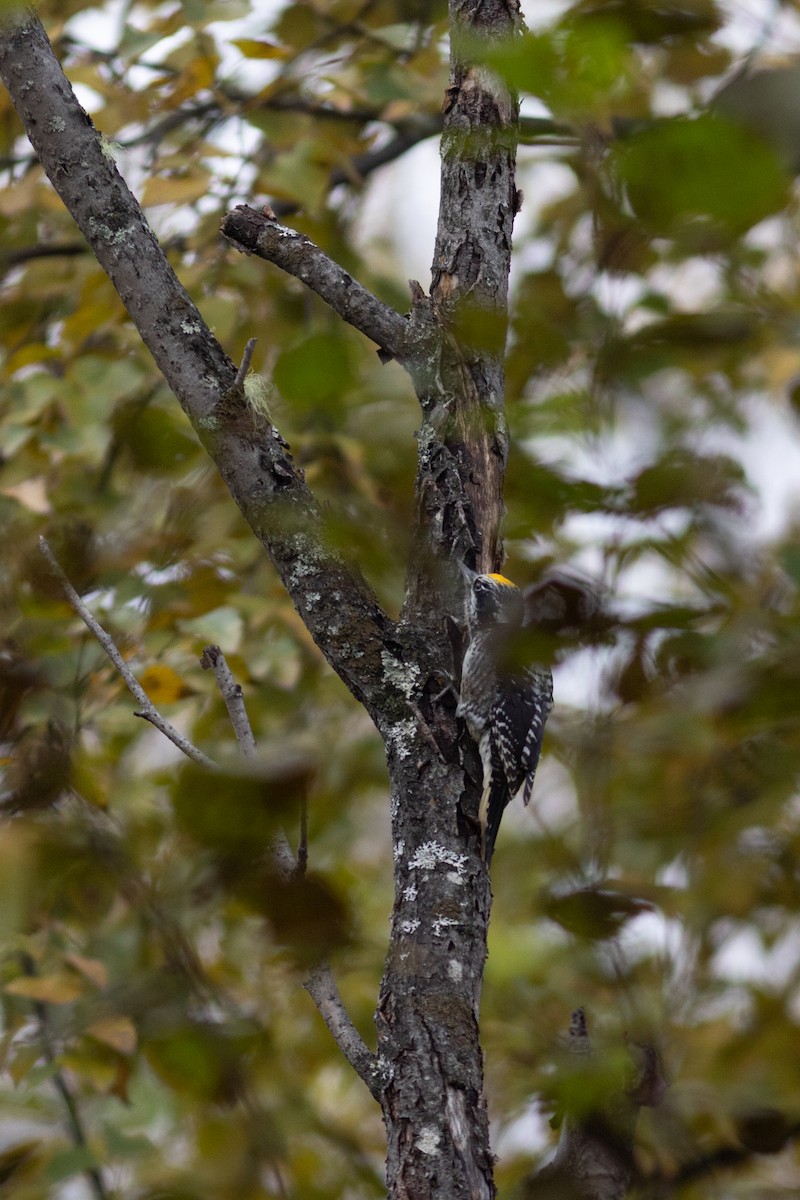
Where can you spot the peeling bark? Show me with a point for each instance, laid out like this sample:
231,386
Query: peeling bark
428,1014
428,1071
460,329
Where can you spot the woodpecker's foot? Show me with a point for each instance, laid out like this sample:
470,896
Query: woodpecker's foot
448,689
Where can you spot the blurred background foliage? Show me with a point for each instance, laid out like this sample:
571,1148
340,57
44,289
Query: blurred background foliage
155,1038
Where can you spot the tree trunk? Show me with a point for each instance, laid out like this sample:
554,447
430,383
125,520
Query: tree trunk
428,1072
428,1014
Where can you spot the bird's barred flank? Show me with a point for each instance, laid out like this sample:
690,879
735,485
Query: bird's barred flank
505,712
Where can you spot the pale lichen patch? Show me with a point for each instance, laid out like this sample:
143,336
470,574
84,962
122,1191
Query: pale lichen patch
442,923
430,854
428,1140
402,735
455,971
403,676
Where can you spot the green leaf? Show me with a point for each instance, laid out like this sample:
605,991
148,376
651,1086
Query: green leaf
683,171
73,1160
238,812
682,478
315,373
577,70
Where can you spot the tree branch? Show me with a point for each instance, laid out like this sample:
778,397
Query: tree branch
361,166
321,987
231,692
244,366
73,1114
13,257
595,1154
460,380
107,214
338,608
259,233
723,1158
147,709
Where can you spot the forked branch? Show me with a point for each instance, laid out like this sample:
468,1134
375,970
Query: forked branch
321,987
147,710
340,611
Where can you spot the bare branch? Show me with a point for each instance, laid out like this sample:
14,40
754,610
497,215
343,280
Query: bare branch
302,845
595,1154
70,150
259,233
362,165
288,864
244,366
231,691
71,1109
321,987
13,257
147,710
724,1158
339,609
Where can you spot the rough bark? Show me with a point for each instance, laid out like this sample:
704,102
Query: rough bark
428,1015
428,1072
252,457
429,1052
461,387
259,233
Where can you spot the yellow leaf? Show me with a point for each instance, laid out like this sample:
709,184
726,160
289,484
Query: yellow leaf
60,988
90,781
117,1032
197,75
22,198
398,110
94,971
17,1156
256,48
177,189
163,685
31,352
31,493
22,1062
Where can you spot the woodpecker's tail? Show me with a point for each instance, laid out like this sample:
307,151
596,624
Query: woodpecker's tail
494,798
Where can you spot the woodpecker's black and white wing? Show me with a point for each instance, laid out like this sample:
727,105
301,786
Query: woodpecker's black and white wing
513,745
505,712
540,694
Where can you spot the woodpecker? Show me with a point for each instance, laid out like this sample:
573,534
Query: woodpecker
505,711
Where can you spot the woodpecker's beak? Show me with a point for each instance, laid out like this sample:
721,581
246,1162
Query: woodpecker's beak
469,575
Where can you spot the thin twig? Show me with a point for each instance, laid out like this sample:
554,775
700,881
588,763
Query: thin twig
357,170
289,865
73,1114
321,987
244,367
147,710
13,257
212,658
302,846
